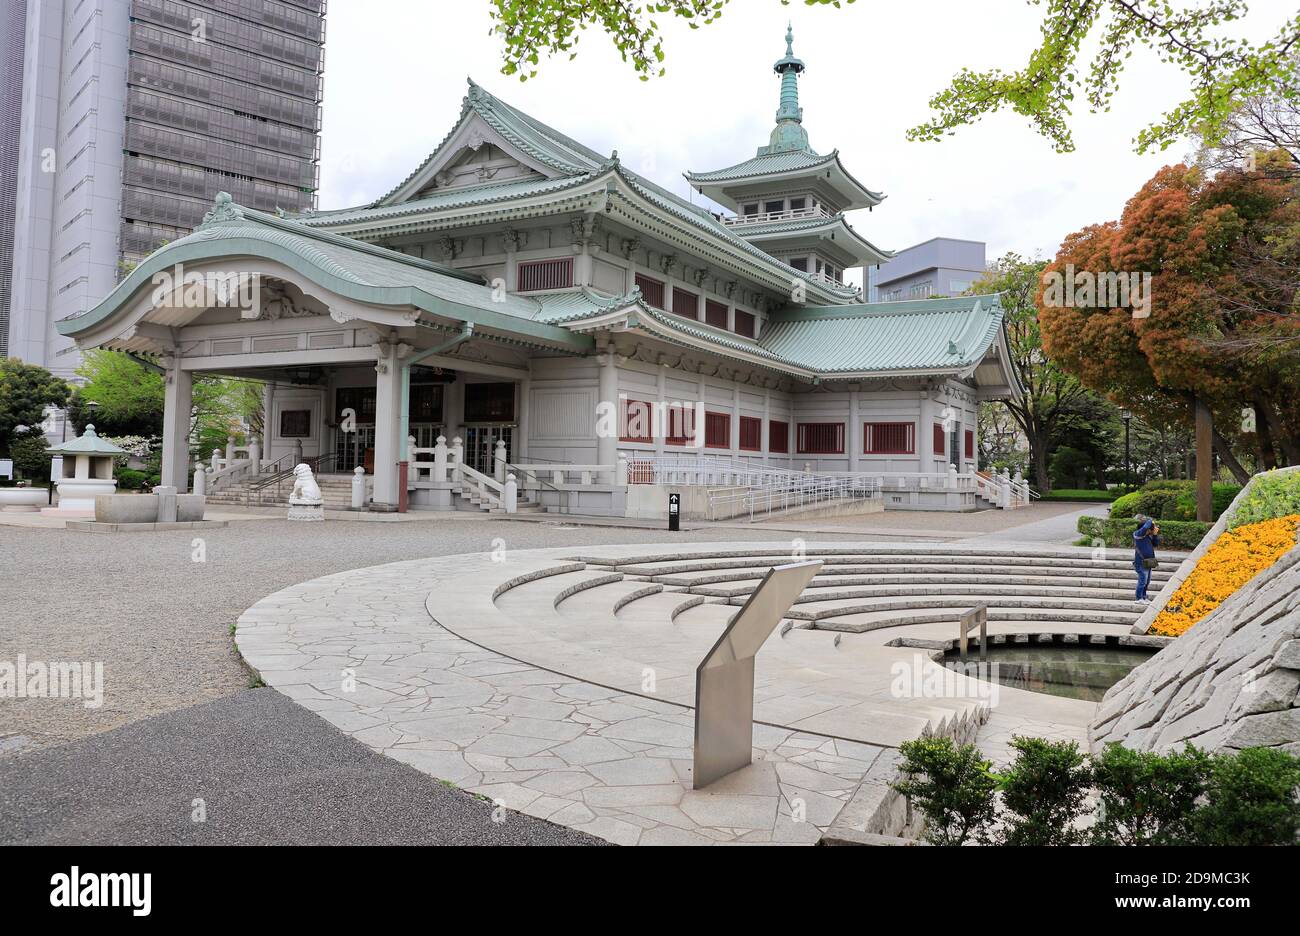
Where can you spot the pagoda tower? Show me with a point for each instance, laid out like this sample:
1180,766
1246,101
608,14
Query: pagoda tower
789,200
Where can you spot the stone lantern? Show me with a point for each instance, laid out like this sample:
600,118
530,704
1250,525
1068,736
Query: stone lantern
87,473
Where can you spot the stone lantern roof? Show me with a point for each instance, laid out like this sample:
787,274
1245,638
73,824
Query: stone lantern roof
88,443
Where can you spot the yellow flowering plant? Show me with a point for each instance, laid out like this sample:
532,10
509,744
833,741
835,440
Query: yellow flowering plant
1236,557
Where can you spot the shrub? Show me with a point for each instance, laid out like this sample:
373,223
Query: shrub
1174,534
951,786
1044,791
1270,497
1146,798
1236,557
29,456
1170,500
1250,800
128,479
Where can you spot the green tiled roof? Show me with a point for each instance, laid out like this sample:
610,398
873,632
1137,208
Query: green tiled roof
88,443
448,199
580,164
360,271
918,335
764,165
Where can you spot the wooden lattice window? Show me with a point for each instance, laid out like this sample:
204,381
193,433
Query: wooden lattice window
745,324
546,274
778,437
636,423
821,438
685,303
652,290
751,434
717,430
891,438
715,313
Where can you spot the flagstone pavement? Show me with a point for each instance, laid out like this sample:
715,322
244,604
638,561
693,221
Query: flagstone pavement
567,734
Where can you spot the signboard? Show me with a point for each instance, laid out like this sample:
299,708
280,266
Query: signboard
724,680
7,468
674,512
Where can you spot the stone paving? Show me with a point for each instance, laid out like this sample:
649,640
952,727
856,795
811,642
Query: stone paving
609,763
522,677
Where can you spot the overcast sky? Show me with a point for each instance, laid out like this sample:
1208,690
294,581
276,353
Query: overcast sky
395,74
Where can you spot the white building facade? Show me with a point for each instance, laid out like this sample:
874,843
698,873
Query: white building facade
545,306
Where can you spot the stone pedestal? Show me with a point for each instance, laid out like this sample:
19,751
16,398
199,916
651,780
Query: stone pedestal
308,512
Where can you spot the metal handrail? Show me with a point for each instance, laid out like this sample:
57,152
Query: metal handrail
541,482
259,487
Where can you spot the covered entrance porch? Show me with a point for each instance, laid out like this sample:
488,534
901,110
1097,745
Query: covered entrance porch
359,349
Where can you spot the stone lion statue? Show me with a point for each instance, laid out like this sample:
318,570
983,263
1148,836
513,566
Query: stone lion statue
305,489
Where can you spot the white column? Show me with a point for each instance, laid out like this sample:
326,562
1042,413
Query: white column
607,446
925,428
388,418
177,406
525,389
734,441
855,427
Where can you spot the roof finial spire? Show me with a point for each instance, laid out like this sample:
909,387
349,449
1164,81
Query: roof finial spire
789,134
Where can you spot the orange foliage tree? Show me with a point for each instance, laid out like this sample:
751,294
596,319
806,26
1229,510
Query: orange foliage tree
1195,324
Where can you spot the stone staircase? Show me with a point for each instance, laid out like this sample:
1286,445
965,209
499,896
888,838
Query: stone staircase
336,490
468,494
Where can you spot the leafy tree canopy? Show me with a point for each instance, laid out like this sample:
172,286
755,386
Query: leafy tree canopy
25,391
1224,71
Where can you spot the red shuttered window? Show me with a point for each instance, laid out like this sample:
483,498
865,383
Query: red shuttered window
717,430
715,313
636,424
652,291
889,438
751,434
745,324
778,437
546,274
685,303
681,424
940,440
821,438
970,443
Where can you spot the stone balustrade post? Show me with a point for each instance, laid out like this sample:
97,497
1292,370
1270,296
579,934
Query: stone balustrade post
358,488
200,479
216,459
297,452
255,453
440,460
510,496
621,475
952,477
412,473
499,461
457,457
230,451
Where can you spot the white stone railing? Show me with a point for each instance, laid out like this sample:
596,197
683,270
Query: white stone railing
233,464
766,217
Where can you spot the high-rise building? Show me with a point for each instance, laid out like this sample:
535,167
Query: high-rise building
131,115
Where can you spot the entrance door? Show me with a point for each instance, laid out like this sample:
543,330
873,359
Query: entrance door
354,448
481,442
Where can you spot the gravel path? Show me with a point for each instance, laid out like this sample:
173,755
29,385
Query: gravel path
160,621
254,768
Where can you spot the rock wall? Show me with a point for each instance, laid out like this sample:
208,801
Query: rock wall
1143,624
1232,681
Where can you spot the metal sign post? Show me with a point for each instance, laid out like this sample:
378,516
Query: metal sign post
674,512
724,680
977,616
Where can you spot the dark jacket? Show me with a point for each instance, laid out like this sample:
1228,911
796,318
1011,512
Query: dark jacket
1145,542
